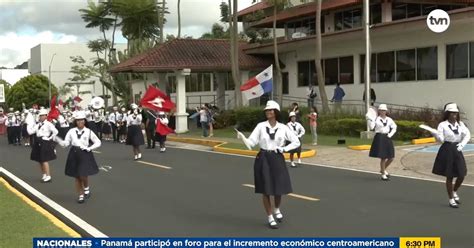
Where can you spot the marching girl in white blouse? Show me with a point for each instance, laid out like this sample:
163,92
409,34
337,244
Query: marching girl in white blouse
299,131
43,146
382,145
270,172
159,137
450,162
80,161
134,134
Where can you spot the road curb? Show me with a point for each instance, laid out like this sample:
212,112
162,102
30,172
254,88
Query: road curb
423,141
360,148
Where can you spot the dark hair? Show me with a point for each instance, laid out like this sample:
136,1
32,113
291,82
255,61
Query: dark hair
315,109
338,84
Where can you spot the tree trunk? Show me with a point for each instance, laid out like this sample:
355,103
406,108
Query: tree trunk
319,68
179,19
234,56
278,82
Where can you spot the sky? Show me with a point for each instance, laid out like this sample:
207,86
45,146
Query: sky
27,23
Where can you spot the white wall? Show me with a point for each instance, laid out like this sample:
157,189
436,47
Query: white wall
41,58
13,75
434,93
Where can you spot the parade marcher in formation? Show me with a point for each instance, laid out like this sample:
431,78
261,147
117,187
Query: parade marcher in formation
63,123
299,131
24,128
98,116
270,172
296,109
17,129
162,130
382,145
150,128
122,125
90,118
9,124
134,134
107,127
454,135
80,162
113,120
3,119
43,147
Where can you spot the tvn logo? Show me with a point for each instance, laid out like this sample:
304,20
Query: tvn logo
438,21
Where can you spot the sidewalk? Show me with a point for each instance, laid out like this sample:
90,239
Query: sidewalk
407,162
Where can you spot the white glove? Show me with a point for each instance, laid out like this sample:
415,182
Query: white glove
240,136
367,117
460,147
389,136
85,148
46,138
279,150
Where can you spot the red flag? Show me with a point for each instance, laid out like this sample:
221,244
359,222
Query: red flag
156,100
163,129
53,112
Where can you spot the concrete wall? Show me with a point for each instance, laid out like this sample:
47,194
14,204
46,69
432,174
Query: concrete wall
433,93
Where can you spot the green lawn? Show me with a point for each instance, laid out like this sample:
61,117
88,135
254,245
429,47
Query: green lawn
20,223
325,140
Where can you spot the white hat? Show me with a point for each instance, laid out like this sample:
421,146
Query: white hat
43,112
451,107
383,107
133,106
161,113
17,112
292,114
78,115
123,109
10,109
115,108
272,105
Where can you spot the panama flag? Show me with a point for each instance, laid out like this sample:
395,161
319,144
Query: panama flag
258,85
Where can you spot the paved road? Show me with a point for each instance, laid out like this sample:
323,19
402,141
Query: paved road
203,195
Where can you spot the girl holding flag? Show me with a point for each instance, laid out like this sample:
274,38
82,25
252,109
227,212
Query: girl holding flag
162,130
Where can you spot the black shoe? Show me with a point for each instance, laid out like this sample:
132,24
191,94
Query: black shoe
87,195
280,220
454,205
80,200
273,225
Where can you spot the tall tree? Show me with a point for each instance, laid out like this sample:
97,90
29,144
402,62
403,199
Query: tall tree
277,6
319,68
179,19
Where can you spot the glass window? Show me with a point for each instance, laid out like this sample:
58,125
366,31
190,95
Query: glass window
338,21
413,10
229,82
427,8
457,60
346,70
375,13
171,87
206,78
347,19
385,67
373,68
406,65
472,59
399,11
427,63
357,18
331,71
303,73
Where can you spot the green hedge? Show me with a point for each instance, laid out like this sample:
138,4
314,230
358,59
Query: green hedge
346,125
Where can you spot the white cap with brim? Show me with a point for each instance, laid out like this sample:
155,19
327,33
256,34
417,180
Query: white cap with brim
383,107
161,113
79,115
134,106
272,105
43,112
451,107
292,114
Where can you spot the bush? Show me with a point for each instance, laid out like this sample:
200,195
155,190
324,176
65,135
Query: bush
224,119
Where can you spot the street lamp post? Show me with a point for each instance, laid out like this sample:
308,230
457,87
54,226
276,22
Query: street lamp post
49,79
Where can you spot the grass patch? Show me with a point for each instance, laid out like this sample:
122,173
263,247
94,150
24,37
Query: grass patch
325,140
20,223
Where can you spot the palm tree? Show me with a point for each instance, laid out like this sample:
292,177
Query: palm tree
277,5
97,15
319,68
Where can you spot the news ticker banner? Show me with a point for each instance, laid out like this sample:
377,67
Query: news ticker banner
403,242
